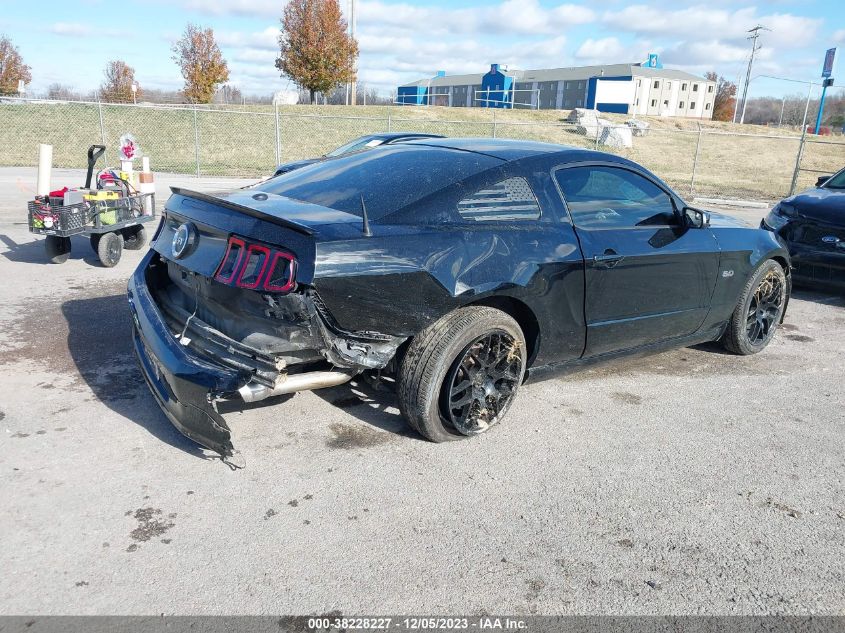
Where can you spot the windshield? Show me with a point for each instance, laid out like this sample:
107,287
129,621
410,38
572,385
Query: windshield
837,181
355,146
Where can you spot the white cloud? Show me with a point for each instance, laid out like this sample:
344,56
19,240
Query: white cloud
267,40
71,29
787,30
839,36
601,50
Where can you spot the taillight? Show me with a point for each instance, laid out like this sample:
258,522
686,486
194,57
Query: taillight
229,266
252,270
282,273
256,267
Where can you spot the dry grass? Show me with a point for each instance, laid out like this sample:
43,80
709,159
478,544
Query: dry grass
242,141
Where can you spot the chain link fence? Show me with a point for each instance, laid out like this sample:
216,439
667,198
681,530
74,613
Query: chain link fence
702,162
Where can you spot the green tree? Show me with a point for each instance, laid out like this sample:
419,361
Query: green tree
315,49
201,63
12,69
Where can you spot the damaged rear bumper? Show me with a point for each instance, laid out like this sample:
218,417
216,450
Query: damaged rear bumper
189,373
184,385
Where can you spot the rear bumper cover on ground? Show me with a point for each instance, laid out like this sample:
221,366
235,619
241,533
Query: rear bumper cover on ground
184,385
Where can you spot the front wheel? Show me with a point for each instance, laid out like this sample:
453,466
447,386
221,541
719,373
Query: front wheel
460,375
58,248
758,311
110,248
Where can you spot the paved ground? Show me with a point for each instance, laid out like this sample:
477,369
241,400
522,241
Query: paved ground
689,482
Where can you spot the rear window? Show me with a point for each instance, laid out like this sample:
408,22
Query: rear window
390,178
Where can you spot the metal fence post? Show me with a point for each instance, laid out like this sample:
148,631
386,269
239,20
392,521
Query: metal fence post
196,141
494,122
278,136
102,125
695,161
388,118
798,160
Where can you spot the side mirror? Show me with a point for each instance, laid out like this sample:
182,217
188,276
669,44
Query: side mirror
696,218
821,180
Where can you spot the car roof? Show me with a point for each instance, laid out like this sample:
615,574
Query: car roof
398,136
503,149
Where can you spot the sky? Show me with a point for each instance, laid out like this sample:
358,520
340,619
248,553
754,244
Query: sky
70,41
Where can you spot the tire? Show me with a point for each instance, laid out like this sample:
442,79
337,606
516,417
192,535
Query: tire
95,242
758,311
134,239
58,248
477,346
110,248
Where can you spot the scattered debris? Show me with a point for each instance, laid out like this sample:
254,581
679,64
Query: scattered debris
269,514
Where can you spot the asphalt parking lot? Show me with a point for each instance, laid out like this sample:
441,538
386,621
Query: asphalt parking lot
690,482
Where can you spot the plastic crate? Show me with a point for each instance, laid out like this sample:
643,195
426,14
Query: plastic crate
45,217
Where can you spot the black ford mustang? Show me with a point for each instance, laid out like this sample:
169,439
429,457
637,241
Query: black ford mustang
812,224
457,266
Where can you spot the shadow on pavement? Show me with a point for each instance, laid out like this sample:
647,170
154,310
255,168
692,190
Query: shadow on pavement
100,344
32,252
371,402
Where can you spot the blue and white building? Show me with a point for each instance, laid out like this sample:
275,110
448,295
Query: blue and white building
645,88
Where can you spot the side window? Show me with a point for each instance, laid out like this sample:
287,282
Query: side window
510,199
601,197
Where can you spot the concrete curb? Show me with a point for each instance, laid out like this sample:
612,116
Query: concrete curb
733,203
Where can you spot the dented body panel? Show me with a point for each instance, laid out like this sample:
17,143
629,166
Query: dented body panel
359,298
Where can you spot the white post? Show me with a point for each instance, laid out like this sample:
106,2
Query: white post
45,169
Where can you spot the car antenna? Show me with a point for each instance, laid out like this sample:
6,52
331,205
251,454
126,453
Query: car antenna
366,228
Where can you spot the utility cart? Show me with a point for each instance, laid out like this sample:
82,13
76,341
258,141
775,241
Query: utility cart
112,214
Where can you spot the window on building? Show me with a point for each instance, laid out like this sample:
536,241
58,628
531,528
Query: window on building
666,103
614,198
681,104
638,83
706,106
654,103
709,88
656,84
692,105
508,200
683,86
668,84
578,103
637,102
695,87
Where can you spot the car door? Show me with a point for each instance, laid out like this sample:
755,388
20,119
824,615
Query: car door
649,276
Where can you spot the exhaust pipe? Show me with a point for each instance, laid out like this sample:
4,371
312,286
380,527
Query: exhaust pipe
254,392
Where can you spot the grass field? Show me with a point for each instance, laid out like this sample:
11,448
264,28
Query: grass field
757,164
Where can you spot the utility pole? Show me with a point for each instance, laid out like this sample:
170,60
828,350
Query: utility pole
352,86
755,34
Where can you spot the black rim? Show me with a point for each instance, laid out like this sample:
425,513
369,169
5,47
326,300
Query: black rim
764,309
482,382
113,249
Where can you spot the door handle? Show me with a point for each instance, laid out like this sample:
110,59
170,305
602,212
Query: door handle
609,259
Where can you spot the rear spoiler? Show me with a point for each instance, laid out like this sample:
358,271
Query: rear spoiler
234,206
